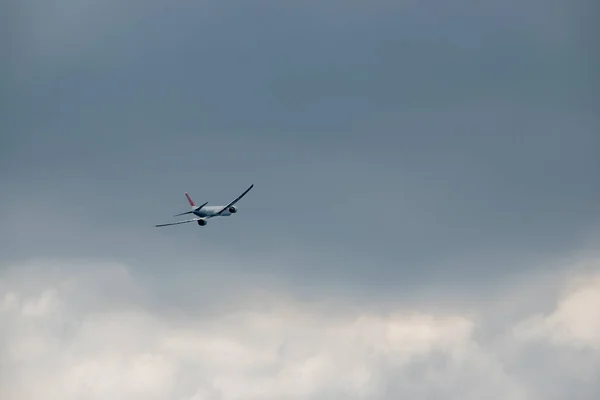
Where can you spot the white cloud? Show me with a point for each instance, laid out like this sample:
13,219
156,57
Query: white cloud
60,338
574,322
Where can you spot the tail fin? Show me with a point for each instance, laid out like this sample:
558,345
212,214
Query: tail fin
190,200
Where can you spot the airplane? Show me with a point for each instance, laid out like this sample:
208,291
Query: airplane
204,212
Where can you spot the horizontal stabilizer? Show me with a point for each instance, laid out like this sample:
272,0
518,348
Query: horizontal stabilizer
191,212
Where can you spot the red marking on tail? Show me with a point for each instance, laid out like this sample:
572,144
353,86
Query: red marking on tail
190,200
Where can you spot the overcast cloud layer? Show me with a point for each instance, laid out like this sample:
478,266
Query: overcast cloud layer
424,223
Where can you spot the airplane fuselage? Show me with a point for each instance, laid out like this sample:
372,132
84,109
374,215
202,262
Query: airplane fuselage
211,211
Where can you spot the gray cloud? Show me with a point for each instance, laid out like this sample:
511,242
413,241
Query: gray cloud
396,149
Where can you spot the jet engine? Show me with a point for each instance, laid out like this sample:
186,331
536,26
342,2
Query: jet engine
232,209
202,222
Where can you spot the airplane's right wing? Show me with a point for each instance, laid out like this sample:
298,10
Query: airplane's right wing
179,222
235,201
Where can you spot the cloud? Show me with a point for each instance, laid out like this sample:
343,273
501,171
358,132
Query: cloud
91,332
575,321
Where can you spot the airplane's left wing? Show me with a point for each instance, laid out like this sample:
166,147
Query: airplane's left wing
236,200
179,222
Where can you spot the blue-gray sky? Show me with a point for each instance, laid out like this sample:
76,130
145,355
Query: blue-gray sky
414,153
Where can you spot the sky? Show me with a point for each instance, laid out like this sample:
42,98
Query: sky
425,221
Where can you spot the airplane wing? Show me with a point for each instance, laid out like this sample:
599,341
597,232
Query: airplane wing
235,201
179,222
